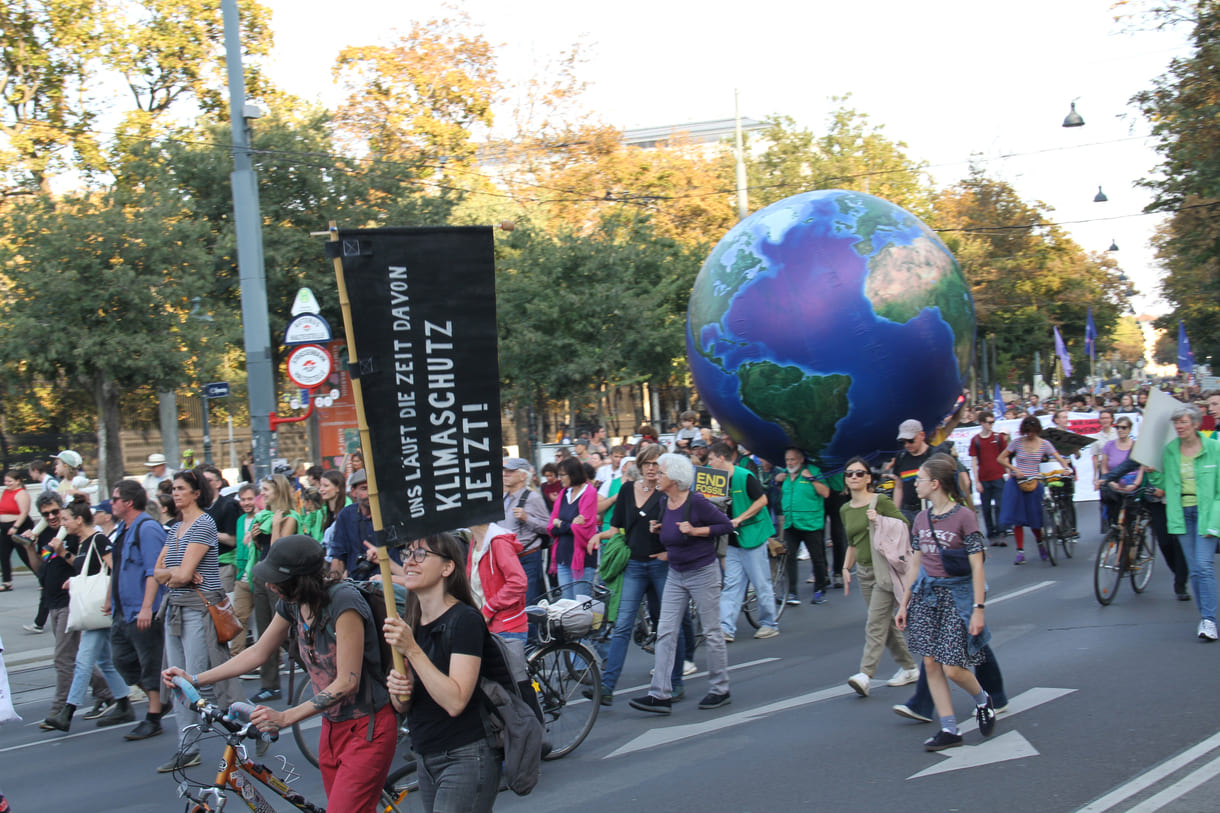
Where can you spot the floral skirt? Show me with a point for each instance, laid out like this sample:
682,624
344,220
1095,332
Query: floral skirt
937,631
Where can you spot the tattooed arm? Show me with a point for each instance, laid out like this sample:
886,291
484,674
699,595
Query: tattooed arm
349,657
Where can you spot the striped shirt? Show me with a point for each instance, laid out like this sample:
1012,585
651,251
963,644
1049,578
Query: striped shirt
202,532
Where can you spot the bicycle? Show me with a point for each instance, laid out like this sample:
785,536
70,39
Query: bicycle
1127,549
1055,530
644,632
562,666
777,554
233,726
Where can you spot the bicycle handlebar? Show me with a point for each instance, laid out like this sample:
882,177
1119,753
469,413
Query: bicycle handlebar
236,719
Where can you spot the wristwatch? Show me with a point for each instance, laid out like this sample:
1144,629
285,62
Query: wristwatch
980,606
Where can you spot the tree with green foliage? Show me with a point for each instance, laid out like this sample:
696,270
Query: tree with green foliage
96,292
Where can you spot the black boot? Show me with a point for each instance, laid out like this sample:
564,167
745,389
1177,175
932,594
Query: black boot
119,713
60,720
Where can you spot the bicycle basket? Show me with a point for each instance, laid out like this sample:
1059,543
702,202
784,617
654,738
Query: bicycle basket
569,619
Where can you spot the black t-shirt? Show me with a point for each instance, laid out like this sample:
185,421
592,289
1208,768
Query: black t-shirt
318,652
633,520
224,512
460,630
906,466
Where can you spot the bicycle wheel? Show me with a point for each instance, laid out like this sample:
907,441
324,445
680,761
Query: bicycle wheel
1108,570
642,633
306,740
696,625
1050,531
401,791
1145,558
559,671
779,583
749,607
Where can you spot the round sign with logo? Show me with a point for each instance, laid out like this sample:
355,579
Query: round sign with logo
308,365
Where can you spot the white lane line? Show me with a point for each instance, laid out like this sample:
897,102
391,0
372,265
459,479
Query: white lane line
1152,776
734,667
52,739
1018,593
1180,788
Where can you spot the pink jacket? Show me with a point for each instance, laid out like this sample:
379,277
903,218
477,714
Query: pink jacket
587,505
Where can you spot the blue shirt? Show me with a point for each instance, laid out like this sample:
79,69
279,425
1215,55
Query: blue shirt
351,528
134,564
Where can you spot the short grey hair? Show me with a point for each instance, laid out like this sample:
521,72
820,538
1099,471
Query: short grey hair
1188,411
679,469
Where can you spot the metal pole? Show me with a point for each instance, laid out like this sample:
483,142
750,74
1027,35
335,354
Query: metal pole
256,330
167,406
207,429
743,203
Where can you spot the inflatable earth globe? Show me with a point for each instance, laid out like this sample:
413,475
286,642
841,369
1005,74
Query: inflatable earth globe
825,320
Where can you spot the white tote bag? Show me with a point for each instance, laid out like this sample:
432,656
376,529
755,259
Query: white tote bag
86,595
8,714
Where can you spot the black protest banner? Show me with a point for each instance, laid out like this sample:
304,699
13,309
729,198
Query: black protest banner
423,304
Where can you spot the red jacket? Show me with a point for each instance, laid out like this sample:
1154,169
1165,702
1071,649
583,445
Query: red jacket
502,580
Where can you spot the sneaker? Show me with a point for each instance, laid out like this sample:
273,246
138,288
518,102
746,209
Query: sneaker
766,632
254,675
942,740
146,728
838,585
181,761
648,703
903,677
986,717
903,710
99,708
714,701
729,638
999,543
136,695
1207,630
1043,552
1183,595
263,695
818,597
118,715
1020,560
34,628
689,668
791,600
1001,709
607,695
860,682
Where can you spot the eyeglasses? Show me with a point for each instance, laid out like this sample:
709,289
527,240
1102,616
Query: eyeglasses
923,479
1122,426
855,473
49,514
420,554
908,441
989,420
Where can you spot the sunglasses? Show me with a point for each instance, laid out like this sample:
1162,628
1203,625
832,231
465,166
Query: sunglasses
908,441
989,420
49,514
420,554
855,473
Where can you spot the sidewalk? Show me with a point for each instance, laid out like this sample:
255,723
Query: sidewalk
23,650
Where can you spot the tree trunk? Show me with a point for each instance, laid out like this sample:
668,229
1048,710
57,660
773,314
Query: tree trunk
109,442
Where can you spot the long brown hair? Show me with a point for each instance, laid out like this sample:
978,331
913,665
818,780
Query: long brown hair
456,583
943,469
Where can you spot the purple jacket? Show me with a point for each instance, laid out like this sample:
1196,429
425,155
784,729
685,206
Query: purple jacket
693,552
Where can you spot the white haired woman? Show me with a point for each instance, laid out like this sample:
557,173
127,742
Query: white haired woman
687,530
1192,507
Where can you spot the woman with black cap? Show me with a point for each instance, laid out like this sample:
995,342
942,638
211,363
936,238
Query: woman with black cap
339,646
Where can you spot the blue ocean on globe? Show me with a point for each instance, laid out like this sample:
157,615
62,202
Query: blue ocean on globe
825,320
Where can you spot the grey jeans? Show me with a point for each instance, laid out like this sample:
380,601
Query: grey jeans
461,780
701,585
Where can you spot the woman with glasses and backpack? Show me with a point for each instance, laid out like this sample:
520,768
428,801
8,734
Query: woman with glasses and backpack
444,639
339,646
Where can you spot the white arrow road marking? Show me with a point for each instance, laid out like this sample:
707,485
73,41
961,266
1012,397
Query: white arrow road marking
664,736
1023,702
1001,749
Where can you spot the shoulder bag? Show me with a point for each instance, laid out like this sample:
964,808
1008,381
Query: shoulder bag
87,594
223,618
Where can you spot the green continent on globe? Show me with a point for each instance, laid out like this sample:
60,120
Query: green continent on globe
903,280
806,407
871,214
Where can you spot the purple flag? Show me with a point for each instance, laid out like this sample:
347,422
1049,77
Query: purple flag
1090,336
1062,352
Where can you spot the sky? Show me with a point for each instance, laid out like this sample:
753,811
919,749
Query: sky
954,79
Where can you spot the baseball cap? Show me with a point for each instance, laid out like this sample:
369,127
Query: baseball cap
517,464
909,428
356,478
104,506
70,457
698,442
296,555
155,460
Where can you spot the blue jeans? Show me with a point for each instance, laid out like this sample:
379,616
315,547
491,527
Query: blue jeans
636,579
740,566
461,780
988,673
567,574
94,650
1200,553
990,497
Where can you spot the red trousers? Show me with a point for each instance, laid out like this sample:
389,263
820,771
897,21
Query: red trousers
354,769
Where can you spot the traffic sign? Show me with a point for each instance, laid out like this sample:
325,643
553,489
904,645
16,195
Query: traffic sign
308,365
217,389
308,328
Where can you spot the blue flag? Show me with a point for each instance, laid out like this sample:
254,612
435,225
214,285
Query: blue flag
1062,352
1090,336
1186,356
999,402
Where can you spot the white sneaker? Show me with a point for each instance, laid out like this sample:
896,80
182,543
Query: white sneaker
689,668
766,632
903,677
860,682
1207,630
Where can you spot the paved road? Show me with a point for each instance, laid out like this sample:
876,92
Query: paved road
1114,708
